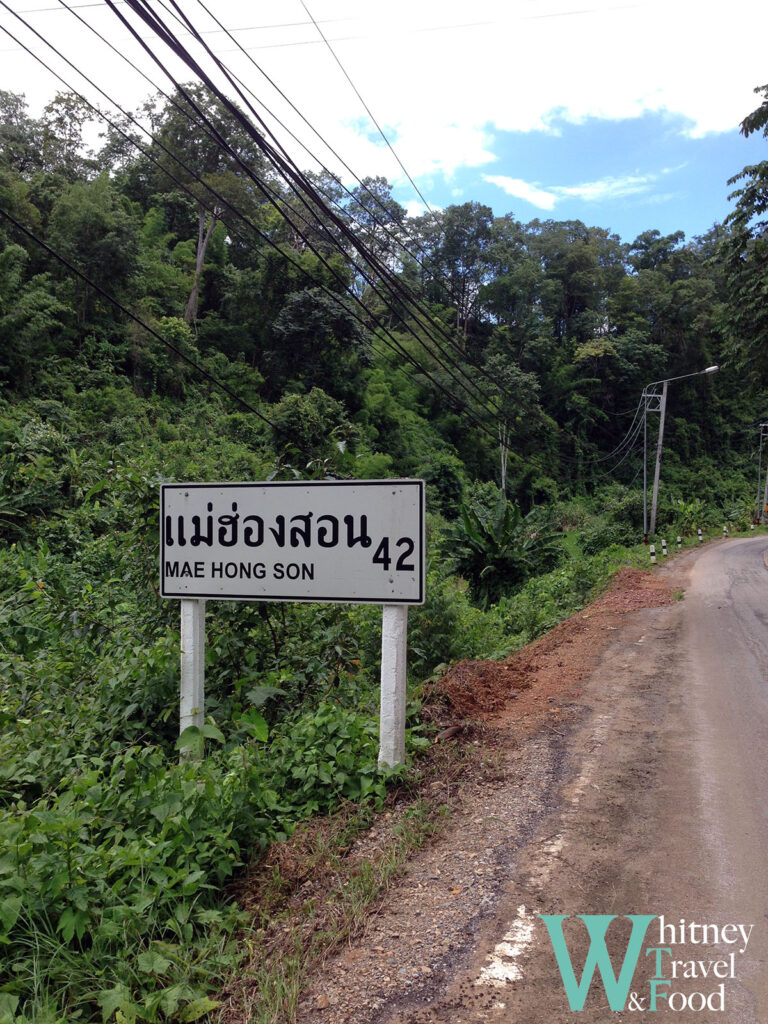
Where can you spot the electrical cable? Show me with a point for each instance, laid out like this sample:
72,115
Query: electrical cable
298,182
530,460
464,355
264,237
483,396
370,113
175,180
629,450
609,455
623,442
291,174
392,282
324,141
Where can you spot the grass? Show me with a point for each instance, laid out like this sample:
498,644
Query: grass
319,926
315,892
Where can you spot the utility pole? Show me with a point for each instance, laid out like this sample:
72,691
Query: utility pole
650,395
657,470
761,508
645,468
651,403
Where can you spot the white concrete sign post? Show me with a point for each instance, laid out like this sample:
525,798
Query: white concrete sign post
192,700
340,541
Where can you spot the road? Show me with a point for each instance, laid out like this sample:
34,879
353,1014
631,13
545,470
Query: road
669,815
657,804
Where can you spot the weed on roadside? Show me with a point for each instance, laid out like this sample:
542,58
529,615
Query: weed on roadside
315,892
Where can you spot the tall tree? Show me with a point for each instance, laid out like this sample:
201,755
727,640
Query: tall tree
460,259
745,253
188,151
20,136
91,226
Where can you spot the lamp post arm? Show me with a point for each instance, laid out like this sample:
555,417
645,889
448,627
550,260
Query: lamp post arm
698,373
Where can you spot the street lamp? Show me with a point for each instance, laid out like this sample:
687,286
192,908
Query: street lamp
649,396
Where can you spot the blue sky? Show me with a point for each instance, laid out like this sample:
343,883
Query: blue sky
621,113
626,176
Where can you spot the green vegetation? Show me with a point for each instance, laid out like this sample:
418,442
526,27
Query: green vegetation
342,893
115,855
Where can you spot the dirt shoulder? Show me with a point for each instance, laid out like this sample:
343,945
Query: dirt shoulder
544,712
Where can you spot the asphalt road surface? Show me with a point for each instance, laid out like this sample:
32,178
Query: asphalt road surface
662,810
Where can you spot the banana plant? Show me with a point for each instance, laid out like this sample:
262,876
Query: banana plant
499,551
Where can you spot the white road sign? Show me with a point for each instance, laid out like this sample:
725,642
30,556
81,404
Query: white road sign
357,541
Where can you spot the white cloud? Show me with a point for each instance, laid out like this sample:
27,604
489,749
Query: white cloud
523,190
608,188
415,208
590,191
444,82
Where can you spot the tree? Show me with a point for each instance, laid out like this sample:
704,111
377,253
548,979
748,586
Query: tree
187,151
581,267
745,254
520,424
62,124
316,342
20,136
498,548
31,319
91,227
377,219
653,251
460,258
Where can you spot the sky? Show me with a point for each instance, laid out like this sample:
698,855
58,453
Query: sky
623,115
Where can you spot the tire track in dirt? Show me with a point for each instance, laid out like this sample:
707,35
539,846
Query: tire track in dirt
548,715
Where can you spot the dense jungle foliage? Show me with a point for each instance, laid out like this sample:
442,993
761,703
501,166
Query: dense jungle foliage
114,856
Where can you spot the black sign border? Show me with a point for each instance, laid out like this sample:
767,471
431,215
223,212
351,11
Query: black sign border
300,483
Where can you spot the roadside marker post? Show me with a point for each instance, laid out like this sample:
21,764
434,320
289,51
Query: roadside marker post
340,541
653,554
664,548
725,531
679,542
701,539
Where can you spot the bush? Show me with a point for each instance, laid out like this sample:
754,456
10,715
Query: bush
603,532
498,548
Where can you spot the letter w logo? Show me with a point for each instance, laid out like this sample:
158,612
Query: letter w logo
617,989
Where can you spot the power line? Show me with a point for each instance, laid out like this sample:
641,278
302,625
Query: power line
428,325
418,367
624,441
369,111
294,178
630,447
296,110
298,182
372,194
185,358
264,237
393,344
